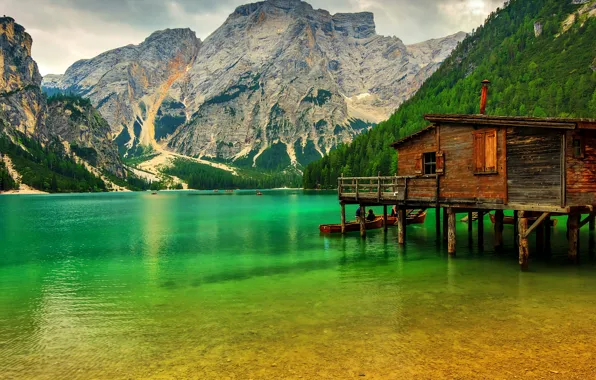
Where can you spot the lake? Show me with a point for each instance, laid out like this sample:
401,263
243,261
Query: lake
202,285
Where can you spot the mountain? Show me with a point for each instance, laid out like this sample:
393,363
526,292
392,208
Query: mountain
63,142
540,56
278,84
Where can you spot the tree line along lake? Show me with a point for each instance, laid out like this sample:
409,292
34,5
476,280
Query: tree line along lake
206,285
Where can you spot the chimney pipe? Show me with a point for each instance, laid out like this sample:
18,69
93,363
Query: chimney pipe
484,96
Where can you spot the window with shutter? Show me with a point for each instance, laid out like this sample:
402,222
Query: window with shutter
440,162
578,147
485,151
418,167
430,163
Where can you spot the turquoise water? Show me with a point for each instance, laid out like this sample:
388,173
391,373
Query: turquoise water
179,285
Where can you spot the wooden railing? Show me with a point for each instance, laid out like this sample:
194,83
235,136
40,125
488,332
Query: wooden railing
398,188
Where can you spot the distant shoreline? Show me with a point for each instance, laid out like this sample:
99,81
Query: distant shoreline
39,192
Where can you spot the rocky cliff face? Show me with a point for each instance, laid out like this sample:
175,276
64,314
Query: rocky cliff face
76,121
24,108
129,85
277,82
21,100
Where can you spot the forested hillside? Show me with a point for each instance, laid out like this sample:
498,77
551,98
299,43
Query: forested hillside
540,56
47,168
6,180
204,177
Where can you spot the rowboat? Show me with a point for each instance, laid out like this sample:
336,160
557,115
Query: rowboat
412,217
352,226
510,220
416,216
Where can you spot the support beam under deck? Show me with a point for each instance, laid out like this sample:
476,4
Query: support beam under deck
524,250
451,242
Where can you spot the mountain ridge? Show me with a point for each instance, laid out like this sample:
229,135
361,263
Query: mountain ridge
277,76
51,141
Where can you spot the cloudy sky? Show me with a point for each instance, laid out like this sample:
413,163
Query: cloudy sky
64,31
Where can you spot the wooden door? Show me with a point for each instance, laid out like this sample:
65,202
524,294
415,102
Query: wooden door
534,166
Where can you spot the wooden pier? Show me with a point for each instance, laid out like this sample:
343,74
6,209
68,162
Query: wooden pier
465,164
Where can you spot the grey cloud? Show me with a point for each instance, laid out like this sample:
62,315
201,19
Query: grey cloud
67,30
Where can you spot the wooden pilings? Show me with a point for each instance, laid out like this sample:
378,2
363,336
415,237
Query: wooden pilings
343,218
470,220
573,237
515,229
445,224
524,250
451,241
480,230
362,220
438,223
385,217
498,241
401,225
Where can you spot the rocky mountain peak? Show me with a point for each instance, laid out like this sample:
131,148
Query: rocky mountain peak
357,25
169,34
25,109
278,82
21,100
285,6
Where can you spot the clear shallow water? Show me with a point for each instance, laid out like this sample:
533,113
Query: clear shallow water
237,286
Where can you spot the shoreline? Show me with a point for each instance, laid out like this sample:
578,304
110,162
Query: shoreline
23,192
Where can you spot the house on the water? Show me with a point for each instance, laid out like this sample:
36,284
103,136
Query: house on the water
537,167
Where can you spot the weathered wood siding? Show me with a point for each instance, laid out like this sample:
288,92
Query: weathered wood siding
534,166
407,155
460,180
581,172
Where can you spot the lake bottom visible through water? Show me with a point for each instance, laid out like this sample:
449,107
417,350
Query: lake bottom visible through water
177,285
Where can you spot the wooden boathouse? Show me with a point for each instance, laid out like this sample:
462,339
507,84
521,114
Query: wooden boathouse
537,167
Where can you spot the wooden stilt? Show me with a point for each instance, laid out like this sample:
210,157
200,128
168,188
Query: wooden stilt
540,240
547,236
524,250
343,218
515,229
480,230
401,225
498,242
438,223
451,242
470,220
592,223
385,217
444,224
573,236
362,220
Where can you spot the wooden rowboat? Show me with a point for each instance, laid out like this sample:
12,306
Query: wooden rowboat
411,218
510,220
352,226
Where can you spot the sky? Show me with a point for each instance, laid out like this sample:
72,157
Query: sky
65,31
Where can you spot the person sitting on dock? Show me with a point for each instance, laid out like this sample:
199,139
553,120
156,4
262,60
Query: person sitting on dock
371,216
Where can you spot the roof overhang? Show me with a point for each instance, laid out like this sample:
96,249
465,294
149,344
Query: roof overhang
412,136
499,121
510,121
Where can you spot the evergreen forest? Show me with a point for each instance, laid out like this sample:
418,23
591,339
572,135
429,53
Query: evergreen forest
204,177
540,56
